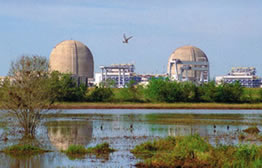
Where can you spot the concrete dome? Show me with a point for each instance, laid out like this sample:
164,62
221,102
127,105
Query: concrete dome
73,57
189,54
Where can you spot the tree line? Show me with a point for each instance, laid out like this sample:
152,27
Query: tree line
66,89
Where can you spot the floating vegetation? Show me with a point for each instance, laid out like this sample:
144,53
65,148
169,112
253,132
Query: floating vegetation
194,151
79,151
23,150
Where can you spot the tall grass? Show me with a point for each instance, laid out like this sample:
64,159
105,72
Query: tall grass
194,151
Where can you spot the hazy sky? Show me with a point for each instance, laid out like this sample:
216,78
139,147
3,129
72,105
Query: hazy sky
228,31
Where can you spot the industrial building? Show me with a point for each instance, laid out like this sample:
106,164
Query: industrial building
188,63
75,58
246,76
121,74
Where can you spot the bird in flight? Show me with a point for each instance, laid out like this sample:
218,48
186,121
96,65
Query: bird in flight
126,39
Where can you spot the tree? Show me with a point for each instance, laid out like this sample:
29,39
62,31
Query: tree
131,93
100,94
229,93
163,90
65,88
26,93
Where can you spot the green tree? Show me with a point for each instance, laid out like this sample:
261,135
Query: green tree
229,93
207,92
100,94
163,90
131,93
65,88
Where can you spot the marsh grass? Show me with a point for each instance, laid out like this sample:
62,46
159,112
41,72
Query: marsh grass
23,150
252,130
79,151
193,151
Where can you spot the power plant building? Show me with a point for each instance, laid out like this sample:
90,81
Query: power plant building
73,57
120,74
188,63
246,76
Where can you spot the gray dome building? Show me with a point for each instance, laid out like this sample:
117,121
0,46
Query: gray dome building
72,57
188,63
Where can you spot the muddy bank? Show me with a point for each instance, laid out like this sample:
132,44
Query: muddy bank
157,106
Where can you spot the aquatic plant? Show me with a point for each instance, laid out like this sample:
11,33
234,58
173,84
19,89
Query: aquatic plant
100,149
23,150
194,151
79,151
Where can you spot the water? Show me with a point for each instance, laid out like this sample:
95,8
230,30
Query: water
123,129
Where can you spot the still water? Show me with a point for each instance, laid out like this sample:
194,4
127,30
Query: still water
123,129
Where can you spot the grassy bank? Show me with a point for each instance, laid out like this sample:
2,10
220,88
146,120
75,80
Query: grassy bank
85,105
194,151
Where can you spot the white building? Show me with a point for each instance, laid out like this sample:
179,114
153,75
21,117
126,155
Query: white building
246,76
120,74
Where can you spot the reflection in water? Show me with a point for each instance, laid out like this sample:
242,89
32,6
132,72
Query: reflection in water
123,129
63,134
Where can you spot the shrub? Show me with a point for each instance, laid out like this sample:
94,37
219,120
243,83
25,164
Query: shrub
65,88
81,150
100,94
229,93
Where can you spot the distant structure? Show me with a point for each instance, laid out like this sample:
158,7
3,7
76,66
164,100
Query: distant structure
145,78
73,57
188,63
246,76
120,74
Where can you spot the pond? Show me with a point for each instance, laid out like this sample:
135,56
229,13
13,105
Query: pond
123,129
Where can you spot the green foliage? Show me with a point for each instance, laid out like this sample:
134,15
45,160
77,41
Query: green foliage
189,146
100,94
260,95
194,151
23,150
132,93
100,149
230,93
65,88
207,92
160,90
164,91
148,149
78,151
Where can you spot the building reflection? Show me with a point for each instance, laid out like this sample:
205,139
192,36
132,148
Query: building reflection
183,130
62,134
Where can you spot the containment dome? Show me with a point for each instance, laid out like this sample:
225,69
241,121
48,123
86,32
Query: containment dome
73,57
188,63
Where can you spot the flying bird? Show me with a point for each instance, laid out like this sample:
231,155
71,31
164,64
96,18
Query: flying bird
126,39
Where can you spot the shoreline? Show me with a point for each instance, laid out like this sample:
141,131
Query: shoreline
214,106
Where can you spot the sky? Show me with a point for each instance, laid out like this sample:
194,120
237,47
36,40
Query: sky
228,31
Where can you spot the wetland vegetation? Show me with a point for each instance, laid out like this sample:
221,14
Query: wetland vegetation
78,151
23,150
193,151
149,131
